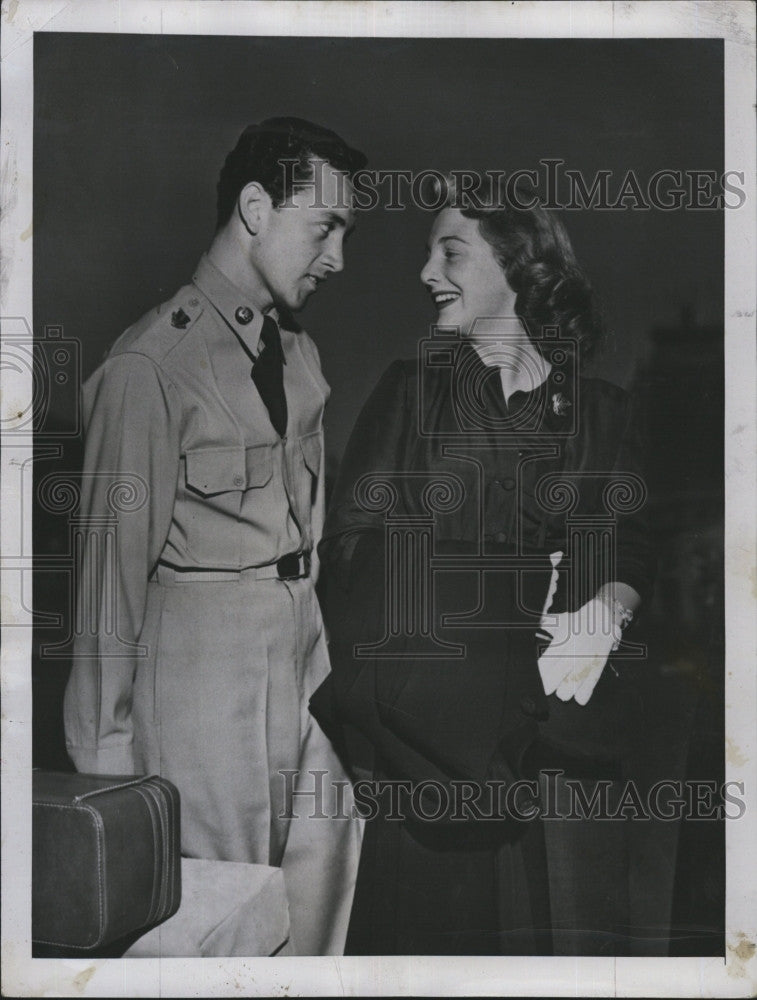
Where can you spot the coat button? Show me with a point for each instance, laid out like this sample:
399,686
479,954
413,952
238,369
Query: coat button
528,706
525,806
529,808
243,315
239,480
501,536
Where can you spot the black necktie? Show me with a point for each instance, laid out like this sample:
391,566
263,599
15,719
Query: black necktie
268,376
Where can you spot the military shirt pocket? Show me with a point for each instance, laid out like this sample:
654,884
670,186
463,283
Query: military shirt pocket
215,482
212,471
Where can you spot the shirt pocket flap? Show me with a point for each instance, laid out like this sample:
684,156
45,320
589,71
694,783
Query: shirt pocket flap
259,465
311,452
215,470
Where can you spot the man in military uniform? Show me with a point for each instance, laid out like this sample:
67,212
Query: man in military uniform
215,400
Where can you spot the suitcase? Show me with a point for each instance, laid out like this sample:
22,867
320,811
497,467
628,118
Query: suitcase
105,858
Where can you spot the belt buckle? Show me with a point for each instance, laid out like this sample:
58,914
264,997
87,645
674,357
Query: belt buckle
293,565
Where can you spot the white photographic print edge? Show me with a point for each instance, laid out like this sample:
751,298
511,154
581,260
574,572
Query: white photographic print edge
735,974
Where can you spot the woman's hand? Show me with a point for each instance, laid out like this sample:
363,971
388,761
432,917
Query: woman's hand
582,640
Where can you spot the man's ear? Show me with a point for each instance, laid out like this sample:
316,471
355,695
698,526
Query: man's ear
253,207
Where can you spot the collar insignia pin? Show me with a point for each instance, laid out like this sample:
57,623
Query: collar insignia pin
179,319
243,315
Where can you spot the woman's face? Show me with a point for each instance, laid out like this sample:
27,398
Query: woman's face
462,274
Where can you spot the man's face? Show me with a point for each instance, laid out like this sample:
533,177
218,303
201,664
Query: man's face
302,242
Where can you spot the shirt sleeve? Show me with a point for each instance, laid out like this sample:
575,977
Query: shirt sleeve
132,414
318,510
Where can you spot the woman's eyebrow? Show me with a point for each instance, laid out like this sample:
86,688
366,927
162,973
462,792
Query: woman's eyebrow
446,239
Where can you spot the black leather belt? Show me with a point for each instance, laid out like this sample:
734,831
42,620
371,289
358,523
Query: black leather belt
293,565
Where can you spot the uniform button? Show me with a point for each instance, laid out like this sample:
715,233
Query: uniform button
243,315
528,706
239,480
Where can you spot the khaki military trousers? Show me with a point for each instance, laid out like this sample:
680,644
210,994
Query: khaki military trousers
221,709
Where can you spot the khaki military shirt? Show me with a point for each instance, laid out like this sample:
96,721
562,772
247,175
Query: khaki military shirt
173,411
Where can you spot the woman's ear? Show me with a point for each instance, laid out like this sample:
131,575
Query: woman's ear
253,205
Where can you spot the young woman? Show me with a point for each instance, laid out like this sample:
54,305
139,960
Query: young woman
485,548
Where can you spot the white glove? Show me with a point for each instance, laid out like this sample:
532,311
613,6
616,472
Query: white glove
581,642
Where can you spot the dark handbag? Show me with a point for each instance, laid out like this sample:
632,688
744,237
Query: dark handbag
106,857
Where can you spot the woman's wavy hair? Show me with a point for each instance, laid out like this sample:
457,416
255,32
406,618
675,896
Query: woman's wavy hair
535,252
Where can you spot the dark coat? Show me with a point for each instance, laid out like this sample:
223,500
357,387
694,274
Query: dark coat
509,484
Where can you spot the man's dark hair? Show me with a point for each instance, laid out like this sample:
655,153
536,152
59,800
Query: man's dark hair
258,154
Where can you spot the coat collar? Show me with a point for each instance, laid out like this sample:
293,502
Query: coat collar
552,401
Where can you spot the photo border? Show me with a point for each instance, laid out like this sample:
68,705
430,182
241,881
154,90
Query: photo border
733,975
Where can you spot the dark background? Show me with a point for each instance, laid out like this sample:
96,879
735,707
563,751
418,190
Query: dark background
130,134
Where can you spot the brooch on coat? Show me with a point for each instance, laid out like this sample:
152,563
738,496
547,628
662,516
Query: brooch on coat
560,404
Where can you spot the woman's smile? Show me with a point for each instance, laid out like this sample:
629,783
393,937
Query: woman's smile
462,274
